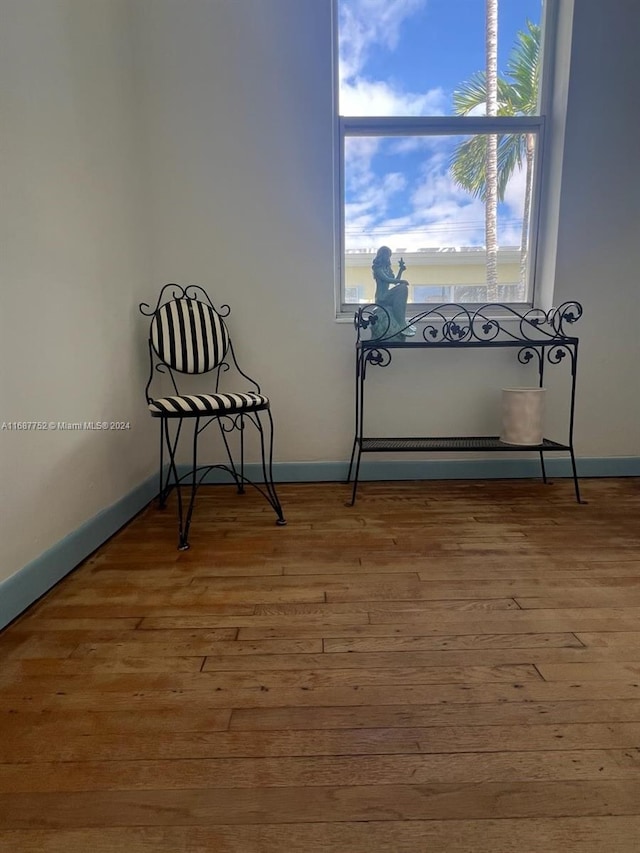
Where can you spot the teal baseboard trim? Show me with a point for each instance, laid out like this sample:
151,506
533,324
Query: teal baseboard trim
495,468
32,581
611,466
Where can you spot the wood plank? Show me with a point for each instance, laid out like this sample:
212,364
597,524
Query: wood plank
470,642
197,646
190,595
38,624
117,571
66,723
533,835
375,659
538,585
317,580
52,609
465,604
514,567
295,804
393,675
399,716
269,694
611,639
16,683
197,615
625,596
36,643
522,621
116,664
382,651
41,645
320,771
62,644
591,671
129,744
423,629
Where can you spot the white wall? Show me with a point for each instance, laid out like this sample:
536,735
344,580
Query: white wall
239,140
598,254
74,261
240,145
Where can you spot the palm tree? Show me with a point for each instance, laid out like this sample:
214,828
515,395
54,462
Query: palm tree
516,96
491,151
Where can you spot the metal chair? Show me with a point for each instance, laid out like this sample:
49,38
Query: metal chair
189,336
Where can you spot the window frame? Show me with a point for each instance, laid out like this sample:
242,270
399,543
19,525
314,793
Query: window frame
450,125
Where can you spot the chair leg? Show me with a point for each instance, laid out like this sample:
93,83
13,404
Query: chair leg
239,478
165,481
184,527
267,467
162,497
184,516
241,484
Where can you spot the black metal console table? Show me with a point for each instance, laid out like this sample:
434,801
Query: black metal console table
537,336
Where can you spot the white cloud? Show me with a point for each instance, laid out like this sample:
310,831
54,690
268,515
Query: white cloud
412,144
359,152
366,24
510,231
436,214
374,200
361,97
515,191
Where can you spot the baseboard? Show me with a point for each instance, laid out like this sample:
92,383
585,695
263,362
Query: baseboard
25,587
32,581
495,468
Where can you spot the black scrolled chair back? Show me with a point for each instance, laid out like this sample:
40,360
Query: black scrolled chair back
189,336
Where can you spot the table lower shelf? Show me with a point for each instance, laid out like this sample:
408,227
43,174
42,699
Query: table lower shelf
454,443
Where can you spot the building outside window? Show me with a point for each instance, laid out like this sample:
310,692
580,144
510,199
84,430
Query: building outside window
440,127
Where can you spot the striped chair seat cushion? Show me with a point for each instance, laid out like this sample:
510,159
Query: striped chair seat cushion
192,405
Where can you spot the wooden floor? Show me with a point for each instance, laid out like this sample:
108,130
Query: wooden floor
450,667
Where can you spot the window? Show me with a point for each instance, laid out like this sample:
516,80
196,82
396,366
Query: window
435,162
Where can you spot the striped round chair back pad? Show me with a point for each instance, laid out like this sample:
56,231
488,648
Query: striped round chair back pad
189,336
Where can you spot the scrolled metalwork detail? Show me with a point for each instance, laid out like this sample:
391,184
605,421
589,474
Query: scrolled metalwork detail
459,327
456,325
557,353
568,312
176,291
230,423
194,291
378,357
528,353
374,317
536,317
439,327
483,328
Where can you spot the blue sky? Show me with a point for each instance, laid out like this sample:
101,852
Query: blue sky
442,41
405,57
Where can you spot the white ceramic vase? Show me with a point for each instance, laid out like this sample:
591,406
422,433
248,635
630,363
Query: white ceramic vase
522,415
